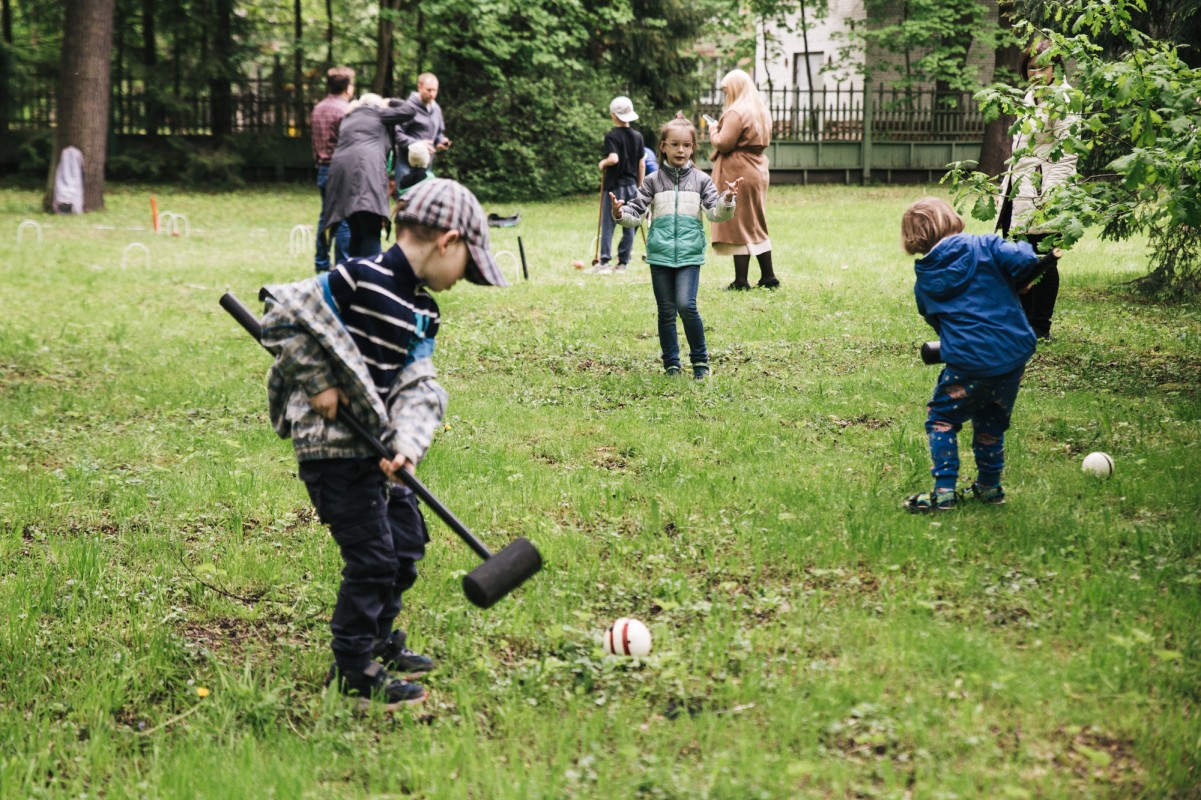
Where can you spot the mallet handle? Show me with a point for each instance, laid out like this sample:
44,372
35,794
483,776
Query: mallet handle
248,321
1044,264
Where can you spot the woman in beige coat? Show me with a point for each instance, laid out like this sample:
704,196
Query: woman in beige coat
1035,154
739,139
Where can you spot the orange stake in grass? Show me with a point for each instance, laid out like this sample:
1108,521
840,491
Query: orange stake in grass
154,212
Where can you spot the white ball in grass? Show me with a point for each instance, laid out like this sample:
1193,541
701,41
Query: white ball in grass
628,637
1098,464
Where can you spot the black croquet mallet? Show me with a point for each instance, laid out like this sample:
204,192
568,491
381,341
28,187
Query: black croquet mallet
932,351
501,572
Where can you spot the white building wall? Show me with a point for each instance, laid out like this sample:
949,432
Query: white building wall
781,58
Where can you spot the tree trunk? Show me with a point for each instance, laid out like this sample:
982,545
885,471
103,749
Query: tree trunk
83,95
6,71
329,34
382,83
152,86
997,146
222,91
298,67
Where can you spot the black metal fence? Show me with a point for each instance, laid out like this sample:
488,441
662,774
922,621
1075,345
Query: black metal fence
267,103
836,114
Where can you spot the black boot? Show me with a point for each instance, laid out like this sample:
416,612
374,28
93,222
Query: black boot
767,275
742,266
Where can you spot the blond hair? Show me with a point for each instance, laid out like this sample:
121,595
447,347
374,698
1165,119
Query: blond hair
926,223
743,97
368,99
419,155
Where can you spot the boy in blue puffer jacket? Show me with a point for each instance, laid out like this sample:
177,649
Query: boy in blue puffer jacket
677,197
966,290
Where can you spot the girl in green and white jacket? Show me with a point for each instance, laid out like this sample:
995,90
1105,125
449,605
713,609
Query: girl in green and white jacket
676,198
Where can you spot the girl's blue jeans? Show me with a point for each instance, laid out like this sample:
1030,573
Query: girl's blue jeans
985,402
675,293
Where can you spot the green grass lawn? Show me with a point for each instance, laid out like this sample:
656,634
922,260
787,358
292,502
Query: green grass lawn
165,589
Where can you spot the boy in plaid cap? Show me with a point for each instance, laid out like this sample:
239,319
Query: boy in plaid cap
363,336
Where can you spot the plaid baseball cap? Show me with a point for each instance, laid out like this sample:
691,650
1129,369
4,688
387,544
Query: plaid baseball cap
448,205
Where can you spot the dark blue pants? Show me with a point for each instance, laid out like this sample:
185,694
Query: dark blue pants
365,229
625,246
675,294
382,536
341,238
985,402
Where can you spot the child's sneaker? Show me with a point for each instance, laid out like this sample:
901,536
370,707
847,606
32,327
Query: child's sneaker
621,268
927,502
374,684
397,658
990,495
701,372
601,269
671,371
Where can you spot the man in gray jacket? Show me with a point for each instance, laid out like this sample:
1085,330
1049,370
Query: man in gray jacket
425,125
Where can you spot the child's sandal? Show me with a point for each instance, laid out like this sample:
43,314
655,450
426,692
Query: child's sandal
989,495
929,502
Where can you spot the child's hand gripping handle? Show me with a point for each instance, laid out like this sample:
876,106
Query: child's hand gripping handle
499,574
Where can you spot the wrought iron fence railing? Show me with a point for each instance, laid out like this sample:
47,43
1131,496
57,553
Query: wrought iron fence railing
266,103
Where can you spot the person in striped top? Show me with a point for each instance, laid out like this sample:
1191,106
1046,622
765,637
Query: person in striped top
362,337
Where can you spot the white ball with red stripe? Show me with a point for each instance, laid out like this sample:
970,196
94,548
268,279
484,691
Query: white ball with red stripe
628,637
1099,464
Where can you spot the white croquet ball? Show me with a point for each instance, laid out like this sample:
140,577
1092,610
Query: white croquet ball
628,637
1099,464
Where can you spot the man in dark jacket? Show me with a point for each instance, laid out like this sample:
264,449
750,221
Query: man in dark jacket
424,125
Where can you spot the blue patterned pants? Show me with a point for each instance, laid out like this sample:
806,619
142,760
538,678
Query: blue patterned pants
985,402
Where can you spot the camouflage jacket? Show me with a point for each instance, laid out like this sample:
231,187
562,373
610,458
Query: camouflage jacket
314,352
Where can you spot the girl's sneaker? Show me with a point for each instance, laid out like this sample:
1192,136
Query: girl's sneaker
990,495
928,502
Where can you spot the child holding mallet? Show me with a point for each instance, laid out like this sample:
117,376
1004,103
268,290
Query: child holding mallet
677,197
362,337
967,290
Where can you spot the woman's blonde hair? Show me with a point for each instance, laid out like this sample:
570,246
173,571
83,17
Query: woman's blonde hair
743,97
680,123
926,223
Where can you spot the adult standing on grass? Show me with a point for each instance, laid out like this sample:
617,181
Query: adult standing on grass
358,173
739,139
1037,152
323,125
422,124
622,169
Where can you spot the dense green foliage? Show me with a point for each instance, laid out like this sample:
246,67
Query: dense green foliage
1140,109
165,590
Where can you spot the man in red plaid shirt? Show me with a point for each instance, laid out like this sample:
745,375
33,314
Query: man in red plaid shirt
327,116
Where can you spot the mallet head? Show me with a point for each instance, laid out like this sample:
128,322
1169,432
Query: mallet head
502,573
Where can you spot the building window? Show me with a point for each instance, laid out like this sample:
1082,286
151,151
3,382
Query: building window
807,70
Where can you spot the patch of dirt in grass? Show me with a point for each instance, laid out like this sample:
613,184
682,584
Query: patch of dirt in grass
1136,373
609,458
1094,756
228,636
869,422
